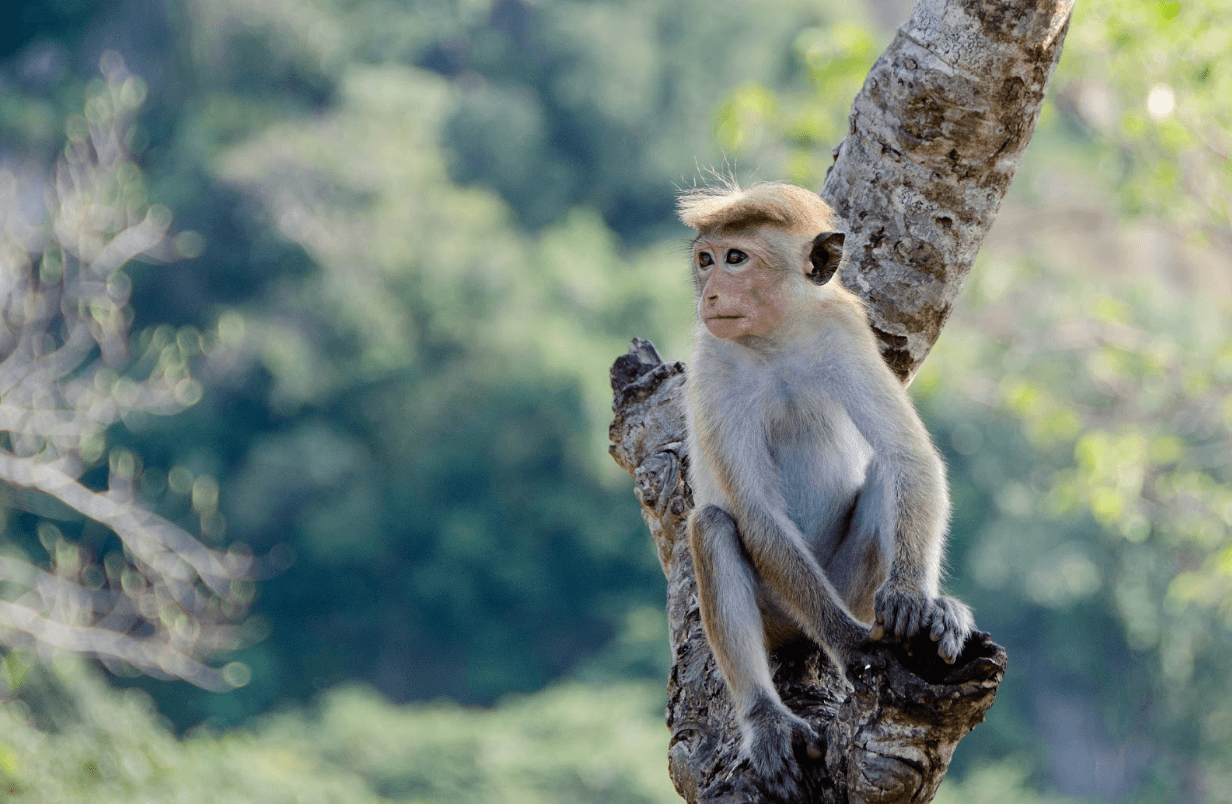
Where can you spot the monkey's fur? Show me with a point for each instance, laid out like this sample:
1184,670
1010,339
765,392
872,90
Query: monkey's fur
821,502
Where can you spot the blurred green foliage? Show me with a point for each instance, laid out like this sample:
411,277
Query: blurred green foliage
572,742
1150,85
429,227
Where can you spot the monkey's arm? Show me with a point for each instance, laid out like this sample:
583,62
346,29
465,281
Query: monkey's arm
908,476
906,470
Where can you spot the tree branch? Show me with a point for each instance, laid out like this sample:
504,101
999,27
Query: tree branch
165,603
936,135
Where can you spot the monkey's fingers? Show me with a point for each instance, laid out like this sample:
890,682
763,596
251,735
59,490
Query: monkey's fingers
902,614
952,623
912,618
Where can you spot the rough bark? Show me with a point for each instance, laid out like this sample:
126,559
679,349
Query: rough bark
936,135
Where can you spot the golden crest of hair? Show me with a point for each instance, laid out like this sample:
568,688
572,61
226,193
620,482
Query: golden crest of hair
729,207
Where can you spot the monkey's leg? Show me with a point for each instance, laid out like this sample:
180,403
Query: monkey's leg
788,567
726,591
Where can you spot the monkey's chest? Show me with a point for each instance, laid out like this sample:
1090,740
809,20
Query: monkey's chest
820,457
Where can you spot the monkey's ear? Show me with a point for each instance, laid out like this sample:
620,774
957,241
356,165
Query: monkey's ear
825,255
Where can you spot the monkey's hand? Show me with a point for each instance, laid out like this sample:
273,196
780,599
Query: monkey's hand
903,613
772,736
900,611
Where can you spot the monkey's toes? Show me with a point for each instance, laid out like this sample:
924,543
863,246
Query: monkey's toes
775,765
775,743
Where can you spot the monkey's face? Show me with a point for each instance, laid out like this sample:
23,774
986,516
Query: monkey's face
740,294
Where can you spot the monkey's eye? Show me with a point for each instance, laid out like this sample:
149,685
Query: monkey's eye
705,259
736,257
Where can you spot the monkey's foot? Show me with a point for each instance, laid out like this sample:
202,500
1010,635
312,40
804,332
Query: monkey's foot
774,741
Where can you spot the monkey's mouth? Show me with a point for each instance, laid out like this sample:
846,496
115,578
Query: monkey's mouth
723,317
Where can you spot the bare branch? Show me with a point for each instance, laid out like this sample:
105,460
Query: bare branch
166,603
148,655
169,549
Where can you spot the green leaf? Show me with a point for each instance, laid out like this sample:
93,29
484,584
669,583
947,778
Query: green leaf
1167,10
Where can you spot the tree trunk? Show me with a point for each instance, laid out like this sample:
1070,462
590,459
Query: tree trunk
936,135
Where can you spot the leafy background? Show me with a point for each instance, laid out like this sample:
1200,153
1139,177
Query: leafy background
427,228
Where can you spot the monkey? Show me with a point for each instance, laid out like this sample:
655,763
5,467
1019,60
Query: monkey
821,503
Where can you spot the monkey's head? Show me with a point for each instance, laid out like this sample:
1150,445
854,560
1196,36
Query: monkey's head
760,253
